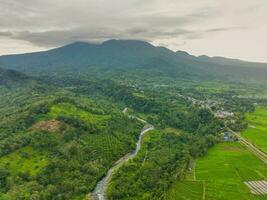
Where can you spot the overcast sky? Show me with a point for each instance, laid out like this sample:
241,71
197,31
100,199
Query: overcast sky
230,28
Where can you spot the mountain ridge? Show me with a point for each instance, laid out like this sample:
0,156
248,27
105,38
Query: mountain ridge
134,56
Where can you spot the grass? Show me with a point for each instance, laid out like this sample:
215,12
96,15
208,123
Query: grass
170,130
70,110
222,172
24,160
190,172
257,130
186,190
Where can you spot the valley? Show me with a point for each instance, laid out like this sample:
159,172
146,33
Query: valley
71,119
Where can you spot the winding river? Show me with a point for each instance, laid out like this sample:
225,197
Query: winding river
101,187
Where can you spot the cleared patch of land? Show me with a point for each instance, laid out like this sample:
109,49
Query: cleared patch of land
171,130
50,125
256,132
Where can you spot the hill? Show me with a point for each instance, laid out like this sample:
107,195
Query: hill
11,76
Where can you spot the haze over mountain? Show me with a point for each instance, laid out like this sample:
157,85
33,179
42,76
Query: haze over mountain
133,56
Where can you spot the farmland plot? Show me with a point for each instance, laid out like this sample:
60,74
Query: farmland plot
225,169
256,132
228,171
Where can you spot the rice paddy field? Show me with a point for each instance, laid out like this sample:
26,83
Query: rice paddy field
187,190
221,175
256,132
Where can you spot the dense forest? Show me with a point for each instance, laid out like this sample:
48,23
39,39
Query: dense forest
60,148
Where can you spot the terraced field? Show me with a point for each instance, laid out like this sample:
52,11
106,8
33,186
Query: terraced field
222,174
187,190
256,132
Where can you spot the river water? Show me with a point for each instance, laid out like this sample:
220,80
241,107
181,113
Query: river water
101,187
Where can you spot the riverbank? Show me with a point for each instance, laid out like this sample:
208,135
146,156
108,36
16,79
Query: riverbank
101,187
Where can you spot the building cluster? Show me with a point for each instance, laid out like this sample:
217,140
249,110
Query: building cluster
223,114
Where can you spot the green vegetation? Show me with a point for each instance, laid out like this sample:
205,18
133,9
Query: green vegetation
68,162
136,60
162,160
257,128
62,125
225,168
222,172
149,174
72,111
25,160
93,134
186,190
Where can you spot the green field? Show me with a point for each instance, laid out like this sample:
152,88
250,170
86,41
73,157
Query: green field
257,129
187,190
71,110
222,173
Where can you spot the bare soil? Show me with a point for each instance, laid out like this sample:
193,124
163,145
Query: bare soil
50,125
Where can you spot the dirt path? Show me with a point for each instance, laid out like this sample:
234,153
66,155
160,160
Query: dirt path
260,154
204,190
99,192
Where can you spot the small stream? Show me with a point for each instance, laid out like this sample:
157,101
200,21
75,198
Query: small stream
101,187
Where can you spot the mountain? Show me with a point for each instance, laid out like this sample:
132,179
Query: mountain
230,61
133,57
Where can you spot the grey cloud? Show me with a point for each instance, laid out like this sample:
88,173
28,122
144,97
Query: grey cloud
137,30
51,23
198,34
94,34
224,29
5,34
196,25
61,37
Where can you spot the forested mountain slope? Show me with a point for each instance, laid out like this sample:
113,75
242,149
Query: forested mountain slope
55,144
127,57
11,76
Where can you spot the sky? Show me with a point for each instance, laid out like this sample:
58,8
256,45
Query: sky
229,28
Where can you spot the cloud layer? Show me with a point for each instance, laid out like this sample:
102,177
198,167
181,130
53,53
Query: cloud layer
192,25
